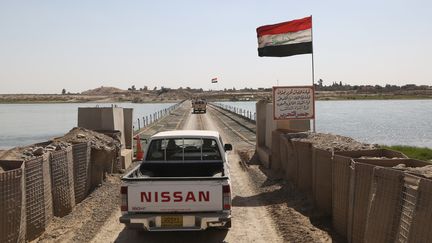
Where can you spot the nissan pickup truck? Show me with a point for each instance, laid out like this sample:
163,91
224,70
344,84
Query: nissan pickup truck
183,183
199,105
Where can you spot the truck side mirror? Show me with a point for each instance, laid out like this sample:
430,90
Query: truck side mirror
228,147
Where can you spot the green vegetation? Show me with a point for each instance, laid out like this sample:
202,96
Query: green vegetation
413,152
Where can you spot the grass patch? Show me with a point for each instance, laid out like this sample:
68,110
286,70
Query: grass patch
413,152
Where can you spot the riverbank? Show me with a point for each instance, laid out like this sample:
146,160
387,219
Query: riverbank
79,98
373,96
175,95
413,152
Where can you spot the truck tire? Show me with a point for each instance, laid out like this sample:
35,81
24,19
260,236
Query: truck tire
227,226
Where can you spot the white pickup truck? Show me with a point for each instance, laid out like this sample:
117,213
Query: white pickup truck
183,183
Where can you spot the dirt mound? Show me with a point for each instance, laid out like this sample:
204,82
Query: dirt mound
76,135
175,94
32,151
425,171
103,91
331,142
97,140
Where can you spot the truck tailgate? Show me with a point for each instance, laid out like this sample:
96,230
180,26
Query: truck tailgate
175,196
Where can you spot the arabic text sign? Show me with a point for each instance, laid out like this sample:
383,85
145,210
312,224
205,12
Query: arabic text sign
293,102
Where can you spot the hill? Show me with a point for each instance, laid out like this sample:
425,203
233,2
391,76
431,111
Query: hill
103,91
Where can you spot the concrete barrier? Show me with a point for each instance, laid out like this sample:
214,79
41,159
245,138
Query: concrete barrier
291,170
283,151
128,128
264,155
261,121
126,158
266,144
107,118
12,202
276,163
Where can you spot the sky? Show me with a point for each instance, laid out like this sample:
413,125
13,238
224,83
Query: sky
46,46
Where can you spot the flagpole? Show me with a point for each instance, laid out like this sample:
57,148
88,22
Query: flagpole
313,77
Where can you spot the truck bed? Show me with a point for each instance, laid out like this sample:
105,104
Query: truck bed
199,169
184,171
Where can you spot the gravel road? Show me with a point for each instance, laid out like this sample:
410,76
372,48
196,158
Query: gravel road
265,207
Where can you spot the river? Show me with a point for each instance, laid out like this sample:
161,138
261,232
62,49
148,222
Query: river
389,122
23,124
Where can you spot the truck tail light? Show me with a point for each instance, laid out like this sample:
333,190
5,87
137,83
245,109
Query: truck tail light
226,197
123,197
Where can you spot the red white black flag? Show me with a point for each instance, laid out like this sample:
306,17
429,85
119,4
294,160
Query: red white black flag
285,39
214,80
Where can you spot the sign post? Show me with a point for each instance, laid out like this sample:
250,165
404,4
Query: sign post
294,103
289,38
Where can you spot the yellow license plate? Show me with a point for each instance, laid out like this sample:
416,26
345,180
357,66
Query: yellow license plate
171,221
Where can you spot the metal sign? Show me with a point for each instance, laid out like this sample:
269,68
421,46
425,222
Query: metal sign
293,102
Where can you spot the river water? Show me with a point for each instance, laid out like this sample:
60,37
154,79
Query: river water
388,122
23,124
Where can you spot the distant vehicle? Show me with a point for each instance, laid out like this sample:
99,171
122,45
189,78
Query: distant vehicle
199,105
183,183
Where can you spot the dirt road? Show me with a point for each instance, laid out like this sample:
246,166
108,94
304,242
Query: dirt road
265,208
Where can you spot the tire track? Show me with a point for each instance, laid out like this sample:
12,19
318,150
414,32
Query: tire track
238,134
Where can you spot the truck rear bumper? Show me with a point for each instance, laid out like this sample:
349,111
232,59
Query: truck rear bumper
190,222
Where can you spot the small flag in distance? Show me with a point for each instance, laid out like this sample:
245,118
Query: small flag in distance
214,80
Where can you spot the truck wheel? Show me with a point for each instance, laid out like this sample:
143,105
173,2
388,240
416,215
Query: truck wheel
227,226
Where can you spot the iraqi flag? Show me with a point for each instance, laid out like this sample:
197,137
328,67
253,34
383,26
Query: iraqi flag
214,80
285,39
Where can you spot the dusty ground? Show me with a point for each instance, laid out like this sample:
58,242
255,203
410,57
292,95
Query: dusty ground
288,209
86,219
265,207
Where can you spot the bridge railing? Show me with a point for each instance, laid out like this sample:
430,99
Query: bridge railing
245,113
145,121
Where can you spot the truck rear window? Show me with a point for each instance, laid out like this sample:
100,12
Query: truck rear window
183,149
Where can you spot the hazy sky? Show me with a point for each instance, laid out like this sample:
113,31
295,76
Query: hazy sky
78,45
